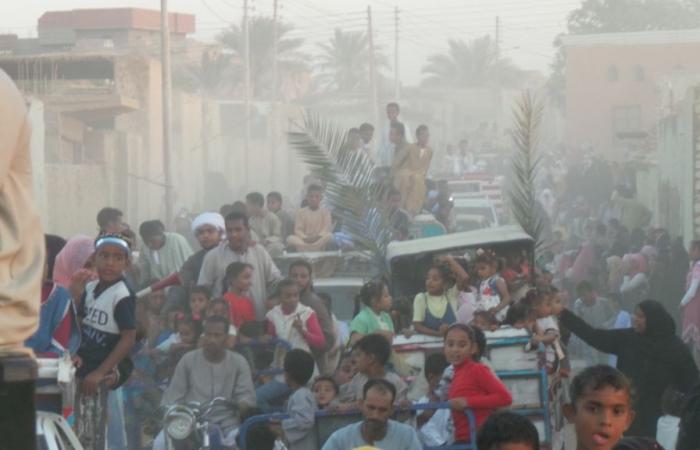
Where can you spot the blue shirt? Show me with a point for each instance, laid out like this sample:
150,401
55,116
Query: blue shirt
398,436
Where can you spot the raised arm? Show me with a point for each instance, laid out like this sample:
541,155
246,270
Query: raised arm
607,341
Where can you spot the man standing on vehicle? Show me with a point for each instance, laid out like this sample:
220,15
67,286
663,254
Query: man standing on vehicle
210,372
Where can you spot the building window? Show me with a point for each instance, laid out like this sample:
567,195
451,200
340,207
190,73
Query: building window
612,73
639,73
627,124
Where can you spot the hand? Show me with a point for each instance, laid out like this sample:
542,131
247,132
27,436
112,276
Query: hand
298,325
78,282
92,382
275,426
459,404
443,329
77,361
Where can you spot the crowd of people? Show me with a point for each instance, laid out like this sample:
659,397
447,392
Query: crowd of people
236,327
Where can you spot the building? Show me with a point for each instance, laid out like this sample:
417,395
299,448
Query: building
612,95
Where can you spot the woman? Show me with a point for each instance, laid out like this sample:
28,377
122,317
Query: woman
71,261
635,284
649,353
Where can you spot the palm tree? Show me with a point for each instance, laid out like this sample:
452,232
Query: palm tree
466,64
290,60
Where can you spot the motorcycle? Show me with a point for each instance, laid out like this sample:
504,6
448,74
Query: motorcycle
188,427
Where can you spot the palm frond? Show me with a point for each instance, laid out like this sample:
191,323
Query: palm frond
525,163
350,184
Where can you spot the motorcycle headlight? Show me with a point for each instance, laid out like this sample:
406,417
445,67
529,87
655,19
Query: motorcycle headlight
180,423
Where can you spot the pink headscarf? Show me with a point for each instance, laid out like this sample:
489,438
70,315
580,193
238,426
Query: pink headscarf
72,258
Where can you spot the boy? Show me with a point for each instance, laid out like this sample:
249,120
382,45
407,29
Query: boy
600,408
163,253
371,355
107,311
301,406
598,313
266,225
312,226
274,205
325,391
507,431
199,302
435,427
110,220
209,229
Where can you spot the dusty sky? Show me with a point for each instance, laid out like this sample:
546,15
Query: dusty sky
527,26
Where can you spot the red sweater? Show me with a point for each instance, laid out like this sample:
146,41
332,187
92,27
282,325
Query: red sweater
312,334
484,393
240,309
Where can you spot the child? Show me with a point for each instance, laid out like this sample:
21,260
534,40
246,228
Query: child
219,307
518,316
436,309
199,302
325,391
434,426
274,205
546,329
301,407
507,430
668,425
596,312
177,345
473,386
237,283
313,229
374,316
292,321
371,354
493,293
600,408
484,321
107,311
346,369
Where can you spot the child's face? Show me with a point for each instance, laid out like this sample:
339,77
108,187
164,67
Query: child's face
363,361
244,280
485,270
433,381
208,236
198,303
273,205
458,346
111,263
346,370
253,209
187,334
218,309
313,198
543,308
289,297
556,304
434,283
384,302
301,276
156,300
324,392
600,417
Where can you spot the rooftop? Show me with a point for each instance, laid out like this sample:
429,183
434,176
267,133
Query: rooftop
115,18
657,37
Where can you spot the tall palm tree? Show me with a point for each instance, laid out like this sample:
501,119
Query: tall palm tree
467,64
290,59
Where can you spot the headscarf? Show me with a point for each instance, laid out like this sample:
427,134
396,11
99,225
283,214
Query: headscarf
216,220
637,263
72,258
54,245
650,253
660,324
660,342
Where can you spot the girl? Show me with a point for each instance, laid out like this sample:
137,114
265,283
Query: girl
374,316
238,280
292,321
473,385
493,293
436,309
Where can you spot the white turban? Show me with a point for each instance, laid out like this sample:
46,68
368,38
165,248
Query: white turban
216,220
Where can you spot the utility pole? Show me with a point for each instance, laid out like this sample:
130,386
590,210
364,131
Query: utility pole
166,106
246,119
397,82
272,142
497,37
372,71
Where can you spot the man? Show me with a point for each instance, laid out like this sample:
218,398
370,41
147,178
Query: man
210,372
409,169
163,253
367,134
237,248
111,220
313,228
596,312
387,148
265,224
209,229
274,205
376,429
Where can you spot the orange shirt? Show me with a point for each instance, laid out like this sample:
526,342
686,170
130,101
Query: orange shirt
240,309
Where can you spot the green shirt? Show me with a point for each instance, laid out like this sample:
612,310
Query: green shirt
367,322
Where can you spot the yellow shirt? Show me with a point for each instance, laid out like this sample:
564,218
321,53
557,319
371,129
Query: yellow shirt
437,304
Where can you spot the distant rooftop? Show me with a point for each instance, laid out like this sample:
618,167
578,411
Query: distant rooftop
115,18
657,37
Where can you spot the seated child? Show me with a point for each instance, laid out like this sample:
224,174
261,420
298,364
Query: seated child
325,391
199,302
484,321
176,346
374,316
493,293
599,394
434,426
508,430
313,227
346,369
518,316
371,354
237,283
473,385
668,425
436,309
219,307
297,430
